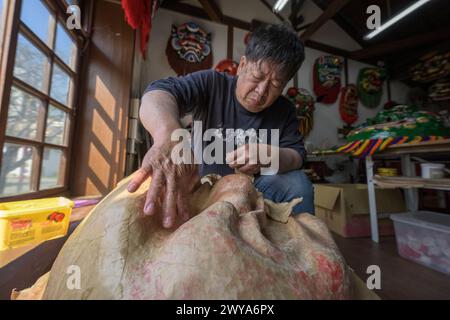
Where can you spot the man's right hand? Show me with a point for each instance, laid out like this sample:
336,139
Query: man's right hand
170,182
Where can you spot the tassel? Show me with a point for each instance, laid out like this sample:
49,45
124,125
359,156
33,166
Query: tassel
341,149
353,147
386,143
376,146
362,148
369,148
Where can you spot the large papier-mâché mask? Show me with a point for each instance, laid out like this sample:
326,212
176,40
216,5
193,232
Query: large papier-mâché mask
401,121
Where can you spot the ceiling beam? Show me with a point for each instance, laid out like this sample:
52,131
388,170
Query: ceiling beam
326,48
344,24
268,6
329,13
197,12
212,10
399,45
200,13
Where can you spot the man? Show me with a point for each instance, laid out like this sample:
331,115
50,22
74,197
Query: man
252,100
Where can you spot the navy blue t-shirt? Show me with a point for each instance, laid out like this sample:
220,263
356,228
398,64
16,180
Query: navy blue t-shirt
211,97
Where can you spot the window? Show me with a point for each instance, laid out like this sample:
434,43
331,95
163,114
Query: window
39,102
3,11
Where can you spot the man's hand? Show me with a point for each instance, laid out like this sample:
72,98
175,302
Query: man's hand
246,159
171,183
251,158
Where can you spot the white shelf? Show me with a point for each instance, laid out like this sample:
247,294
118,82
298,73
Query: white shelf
411,182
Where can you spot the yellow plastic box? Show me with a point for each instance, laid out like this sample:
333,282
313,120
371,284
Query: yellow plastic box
34,221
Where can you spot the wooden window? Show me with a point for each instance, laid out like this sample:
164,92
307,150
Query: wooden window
37,103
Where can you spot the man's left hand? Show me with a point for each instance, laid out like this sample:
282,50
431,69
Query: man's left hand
246,158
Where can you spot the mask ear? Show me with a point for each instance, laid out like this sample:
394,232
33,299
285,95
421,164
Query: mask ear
242,64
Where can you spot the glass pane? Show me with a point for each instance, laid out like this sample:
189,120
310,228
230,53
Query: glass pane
2,14
16,170
23,115
65,47
52,169
30,64
60,85
37,17
55,132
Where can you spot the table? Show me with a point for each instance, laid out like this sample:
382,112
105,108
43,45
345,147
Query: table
408,181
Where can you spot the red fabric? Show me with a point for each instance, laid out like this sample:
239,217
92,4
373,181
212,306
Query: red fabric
138,14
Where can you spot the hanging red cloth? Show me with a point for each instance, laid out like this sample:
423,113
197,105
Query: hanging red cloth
139,14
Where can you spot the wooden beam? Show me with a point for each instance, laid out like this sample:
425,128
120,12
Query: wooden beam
212,10
230,42
402,44
236,23
326,48
344,24
200,13
268,6
332,10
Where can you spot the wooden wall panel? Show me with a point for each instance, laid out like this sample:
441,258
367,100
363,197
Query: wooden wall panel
101,132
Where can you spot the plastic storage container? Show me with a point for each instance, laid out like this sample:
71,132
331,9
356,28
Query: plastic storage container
424,237
34,221
432,170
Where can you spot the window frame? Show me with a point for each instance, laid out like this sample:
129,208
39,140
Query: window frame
13,28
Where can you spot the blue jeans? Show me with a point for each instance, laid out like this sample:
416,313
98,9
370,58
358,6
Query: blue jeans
286,186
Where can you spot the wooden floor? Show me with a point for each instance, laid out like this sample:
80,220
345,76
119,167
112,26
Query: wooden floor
400,278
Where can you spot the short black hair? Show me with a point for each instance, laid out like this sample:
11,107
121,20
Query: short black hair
278,44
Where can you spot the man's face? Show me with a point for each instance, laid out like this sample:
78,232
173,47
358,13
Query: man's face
259,84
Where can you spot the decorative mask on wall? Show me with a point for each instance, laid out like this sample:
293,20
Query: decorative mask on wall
189,49
440,90
432,66
348,104
327,78
304,103
228,66
370,86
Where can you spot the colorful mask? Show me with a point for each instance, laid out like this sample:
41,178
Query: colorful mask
227,66
348,104
304,103
370,86
327,78
440,91
189,49
432,67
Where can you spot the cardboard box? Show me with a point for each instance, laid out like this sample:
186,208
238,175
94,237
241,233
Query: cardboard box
345,208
